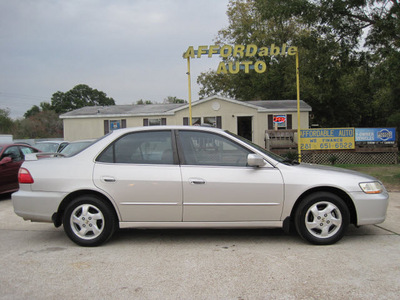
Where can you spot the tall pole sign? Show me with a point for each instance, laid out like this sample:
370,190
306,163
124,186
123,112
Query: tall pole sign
190,92
298,106
234,67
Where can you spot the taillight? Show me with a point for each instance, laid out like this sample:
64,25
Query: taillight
24,176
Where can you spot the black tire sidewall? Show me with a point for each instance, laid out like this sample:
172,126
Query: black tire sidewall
311,200
109,220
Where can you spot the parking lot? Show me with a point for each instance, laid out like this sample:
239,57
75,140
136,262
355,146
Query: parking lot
38,261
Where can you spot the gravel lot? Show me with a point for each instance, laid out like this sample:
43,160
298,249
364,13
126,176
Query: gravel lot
38,261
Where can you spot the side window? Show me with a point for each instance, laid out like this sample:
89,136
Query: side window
13,152
26,150
203,148
152,147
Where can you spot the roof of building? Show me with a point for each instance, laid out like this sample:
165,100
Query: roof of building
170,109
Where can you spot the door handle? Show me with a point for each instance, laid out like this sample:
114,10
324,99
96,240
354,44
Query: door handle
108,179
197,181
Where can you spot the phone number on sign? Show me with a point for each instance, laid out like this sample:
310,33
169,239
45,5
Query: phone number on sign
344,145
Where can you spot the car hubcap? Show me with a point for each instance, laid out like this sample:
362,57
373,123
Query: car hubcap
87,221
323,219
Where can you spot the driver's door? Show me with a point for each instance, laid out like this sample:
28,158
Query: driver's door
218,186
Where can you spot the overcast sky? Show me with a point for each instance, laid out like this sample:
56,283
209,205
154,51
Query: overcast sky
129,49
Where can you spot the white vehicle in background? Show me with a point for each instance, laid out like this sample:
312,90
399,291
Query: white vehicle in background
50,146
75,147
192,177
6,139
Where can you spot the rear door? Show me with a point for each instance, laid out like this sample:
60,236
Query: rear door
140,172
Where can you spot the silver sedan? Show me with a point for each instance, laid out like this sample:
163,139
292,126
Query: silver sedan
192,177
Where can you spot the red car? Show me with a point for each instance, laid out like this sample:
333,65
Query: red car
11,158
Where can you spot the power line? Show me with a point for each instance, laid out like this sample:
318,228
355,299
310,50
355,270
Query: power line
22,96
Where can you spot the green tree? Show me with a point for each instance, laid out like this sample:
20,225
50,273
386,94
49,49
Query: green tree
80,96
6,123
32,111
44,124
347,20
344,85
44,106
370,80
143,102
246,26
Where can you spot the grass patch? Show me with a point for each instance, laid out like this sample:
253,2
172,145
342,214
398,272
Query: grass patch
388,174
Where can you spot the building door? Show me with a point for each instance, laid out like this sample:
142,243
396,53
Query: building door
245,128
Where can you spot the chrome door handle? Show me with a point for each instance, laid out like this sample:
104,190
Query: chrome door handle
197,181
108,179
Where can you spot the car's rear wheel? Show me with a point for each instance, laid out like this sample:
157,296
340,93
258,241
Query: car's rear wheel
89,221
322,218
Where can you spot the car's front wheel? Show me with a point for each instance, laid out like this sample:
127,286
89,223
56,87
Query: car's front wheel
89,221
322,218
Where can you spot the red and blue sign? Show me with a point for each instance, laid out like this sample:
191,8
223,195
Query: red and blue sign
280,119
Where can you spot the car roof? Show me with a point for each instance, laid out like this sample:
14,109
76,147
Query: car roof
52,142
170,127
15,144
83,141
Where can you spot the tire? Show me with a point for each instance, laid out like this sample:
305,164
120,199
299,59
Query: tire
322,218
89,221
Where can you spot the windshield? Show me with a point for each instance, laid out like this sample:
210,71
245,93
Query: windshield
262,150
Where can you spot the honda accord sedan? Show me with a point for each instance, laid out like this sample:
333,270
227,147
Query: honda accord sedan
192,177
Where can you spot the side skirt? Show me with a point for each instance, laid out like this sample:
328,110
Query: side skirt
252,224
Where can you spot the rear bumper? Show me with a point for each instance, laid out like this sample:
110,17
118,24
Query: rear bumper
371,208
36,206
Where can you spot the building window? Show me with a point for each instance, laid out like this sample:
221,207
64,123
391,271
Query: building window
196,121
211,121
154,121
110,125
281,121
115,124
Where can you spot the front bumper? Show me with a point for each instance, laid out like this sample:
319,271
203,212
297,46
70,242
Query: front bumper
370,208
36,206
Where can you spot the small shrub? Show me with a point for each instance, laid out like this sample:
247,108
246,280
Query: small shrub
332,159
291,155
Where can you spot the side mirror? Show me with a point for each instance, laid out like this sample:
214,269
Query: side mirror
5,160
255,160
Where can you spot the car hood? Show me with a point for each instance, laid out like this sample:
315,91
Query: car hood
334,170
307,176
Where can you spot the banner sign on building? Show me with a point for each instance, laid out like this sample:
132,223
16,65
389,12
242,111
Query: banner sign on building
376,135
327,139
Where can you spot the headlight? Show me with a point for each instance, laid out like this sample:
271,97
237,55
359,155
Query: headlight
373,187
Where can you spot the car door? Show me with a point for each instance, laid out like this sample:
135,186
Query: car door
141,174
218,186
9,171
